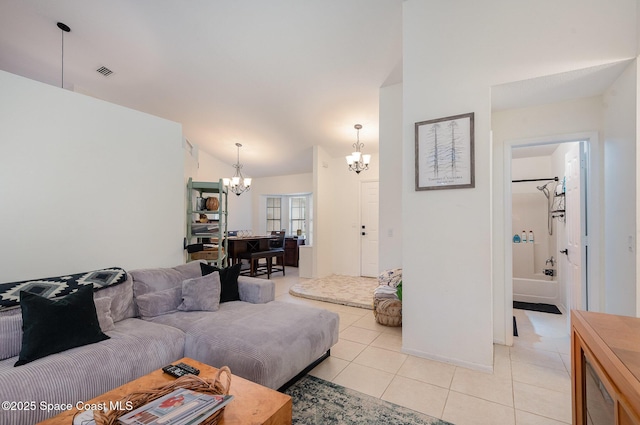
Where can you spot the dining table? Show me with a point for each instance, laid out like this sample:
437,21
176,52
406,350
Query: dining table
239,244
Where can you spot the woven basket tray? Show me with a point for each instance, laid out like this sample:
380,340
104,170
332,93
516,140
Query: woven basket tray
387,311
207,254
191,382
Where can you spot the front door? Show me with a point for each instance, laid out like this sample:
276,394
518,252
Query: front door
369,229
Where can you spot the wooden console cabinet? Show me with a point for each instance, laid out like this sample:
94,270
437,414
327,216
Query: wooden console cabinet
605,369
291,251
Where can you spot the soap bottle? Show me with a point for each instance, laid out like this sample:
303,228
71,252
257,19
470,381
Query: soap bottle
516,238
523,236
530,236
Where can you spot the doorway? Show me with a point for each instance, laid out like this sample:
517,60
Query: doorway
575,270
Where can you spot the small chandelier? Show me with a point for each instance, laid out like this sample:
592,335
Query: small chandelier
356,161
238,183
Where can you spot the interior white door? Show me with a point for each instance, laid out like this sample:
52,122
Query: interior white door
573,214
369,195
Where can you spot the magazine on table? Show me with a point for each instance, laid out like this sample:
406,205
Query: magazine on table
180,407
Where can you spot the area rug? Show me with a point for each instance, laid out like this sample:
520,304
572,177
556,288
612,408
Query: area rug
353,291
544,308
316,401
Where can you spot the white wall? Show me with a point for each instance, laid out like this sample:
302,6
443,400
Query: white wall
190,162
530,168
323,199
390,248
447,234
620,134
544,122
85,184
637,117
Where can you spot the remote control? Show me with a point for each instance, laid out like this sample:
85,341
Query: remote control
174,371
188,368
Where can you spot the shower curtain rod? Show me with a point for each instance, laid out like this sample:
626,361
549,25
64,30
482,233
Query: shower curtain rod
535,180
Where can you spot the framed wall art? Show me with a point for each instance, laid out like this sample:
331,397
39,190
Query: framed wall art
445,153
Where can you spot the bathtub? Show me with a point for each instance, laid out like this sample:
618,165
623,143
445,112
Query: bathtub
538,290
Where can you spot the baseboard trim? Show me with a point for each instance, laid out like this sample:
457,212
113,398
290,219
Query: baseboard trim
442,359
305,371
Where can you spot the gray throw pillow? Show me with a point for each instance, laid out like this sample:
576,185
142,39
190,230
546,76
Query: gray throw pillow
157,303
201,293
103,310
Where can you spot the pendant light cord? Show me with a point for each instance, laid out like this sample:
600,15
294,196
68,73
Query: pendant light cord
62,60
63,28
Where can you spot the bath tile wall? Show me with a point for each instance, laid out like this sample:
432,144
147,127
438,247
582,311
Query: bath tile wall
530,213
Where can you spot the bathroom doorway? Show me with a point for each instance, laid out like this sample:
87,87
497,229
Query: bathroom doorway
548,196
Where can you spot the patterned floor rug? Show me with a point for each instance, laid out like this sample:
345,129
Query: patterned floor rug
353,291
316,401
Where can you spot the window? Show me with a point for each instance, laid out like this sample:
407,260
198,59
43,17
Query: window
297,215
289,212
274,214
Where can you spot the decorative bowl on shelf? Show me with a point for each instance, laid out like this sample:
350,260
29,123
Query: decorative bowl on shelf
213,204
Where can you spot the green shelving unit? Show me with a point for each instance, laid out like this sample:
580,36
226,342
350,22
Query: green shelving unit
214,231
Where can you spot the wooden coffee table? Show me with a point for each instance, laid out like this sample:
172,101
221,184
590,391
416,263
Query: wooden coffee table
253,404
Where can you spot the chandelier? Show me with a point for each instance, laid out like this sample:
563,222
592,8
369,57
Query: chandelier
238,183
356,161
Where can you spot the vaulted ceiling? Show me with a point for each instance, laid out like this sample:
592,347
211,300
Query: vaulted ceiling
278,76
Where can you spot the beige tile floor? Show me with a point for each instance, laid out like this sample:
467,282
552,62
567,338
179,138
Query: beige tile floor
530,384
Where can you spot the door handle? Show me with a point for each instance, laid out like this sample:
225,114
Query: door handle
565,252
363,233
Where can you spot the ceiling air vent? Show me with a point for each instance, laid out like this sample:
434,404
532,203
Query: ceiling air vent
104,71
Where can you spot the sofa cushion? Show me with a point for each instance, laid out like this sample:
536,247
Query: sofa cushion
11,335
122,305
201,293
228,280
161,302
159,279
54,325
168,281
136,347
256,291
266,343
103,311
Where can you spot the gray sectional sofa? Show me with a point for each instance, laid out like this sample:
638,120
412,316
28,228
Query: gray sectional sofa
263,340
